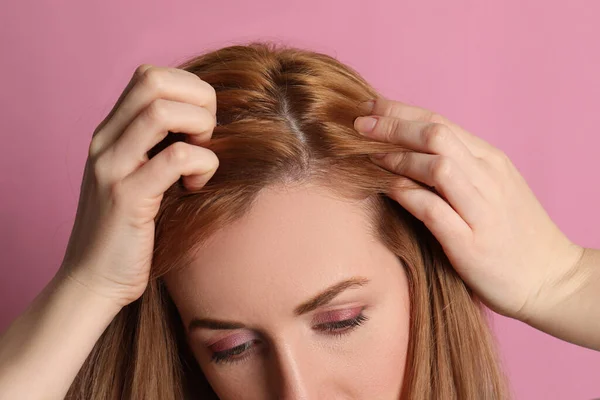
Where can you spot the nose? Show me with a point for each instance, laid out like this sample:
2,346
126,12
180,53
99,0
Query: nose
292,375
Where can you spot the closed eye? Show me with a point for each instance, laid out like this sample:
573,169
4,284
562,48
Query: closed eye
342,327
237,353
244,350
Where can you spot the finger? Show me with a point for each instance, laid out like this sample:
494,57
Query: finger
139,71
423,136
437,215
392,108
197,165
429,138
156,82
445,175
134,78
153,124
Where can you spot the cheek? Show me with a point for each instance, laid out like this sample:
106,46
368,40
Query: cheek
384,352
247,380
383,356
392,351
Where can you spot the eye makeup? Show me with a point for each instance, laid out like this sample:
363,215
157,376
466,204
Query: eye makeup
233,347
232,341
233,354
337,315
340,322
238,347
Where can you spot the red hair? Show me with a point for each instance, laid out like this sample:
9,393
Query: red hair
286,114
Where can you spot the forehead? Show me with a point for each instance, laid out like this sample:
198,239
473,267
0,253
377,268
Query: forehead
293,243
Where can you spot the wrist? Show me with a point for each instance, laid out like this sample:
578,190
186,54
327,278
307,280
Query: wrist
568,308
59,328
78,288
564,278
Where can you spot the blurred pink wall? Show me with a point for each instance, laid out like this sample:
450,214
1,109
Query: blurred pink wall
522,75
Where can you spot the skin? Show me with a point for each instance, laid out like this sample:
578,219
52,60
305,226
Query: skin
494,231
293,245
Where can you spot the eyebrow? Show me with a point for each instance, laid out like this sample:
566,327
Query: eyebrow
329,294
312,304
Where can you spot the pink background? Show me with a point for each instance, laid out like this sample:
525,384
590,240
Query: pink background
522,75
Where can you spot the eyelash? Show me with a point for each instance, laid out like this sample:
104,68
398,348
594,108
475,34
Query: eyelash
229,356
336,328
339,328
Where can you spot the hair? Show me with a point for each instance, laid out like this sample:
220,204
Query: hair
286,115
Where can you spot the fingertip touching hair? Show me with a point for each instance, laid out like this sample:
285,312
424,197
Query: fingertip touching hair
285,116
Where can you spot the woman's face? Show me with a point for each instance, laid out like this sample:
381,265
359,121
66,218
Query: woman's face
297,301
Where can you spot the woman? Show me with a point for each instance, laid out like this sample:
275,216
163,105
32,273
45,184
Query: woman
290,261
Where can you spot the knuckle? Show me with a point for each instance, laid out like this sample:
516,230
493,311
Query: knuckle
436,118
178,152
435,134
389,107
157,111
390,128
398,161
139,71
95,147
153,78
432,213
441,169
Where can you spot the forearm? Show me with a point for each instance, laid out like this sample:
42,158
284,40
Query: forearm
43,349
573,311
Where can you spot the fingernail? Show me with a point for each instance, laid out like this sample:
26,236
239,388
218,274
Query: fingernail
366,107
365,124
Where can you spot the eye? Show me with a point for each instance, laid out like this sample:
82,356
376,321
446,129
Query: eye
343,326
234,354
338,323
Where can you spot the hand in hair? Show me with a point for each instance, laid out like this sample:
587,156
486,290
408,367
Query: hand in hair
108,258
491,226
111,245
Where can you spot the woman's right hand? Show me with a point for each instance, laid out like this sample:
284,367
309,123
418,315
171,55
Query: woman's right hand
111,245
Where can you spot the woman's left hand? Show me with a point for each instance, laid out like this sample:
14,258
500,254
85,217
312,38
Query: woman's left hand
494,231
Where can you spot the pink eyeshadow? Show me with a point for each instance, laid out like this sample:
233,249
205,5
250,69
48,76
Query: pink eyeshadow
232,341
337,315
